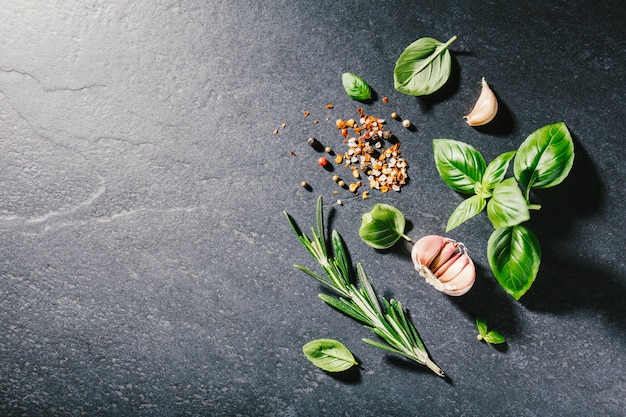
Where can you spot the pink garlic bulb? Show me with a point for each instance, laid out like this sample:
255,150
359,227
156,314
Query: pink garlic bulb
444,264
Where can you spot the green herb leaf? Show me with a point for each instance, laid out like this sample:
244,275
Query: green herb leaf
423,67
489,336
514,256
356,87
468,208
545,158
329,355
482,326
496,170
460,165
494,338
507,206
383,226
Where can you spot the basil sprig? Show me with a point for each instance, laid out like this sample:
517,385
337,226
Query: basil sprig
423,67
356,87
329,355
543,160
382,227
484,333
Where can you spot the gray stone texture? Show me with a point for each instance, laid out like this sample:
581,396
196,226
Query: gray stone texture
146,267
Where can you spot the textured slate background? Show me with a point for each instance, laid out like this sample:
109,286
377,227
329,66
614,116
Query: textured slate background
145,263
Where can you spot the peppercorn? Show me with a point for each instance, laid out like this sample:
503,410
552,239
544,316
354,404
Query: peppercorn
322,162
312,141
406,123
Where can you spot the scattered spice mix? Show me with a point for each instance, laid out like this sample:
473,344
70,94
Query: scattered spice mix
368,151
372,153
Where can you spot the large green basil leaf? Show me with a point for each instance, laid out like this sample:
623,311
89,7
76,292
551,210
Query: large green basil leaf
355,86
460,165
507,206
423,67
496,170
468,208
514,256
329,355
545,158
383,226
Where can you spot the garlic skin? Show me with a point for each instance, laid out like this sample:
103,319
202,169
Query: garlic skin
485,108
444,264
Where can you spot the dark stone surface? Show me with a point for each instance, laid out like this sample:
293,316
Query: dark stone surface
145,263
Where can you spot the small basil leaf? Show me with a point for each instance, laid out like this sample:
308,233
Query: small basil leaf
507,206
382,227
356,87
514,256
489,336
481,190
468,208
496,170
423,67
329,355
545,158
482,326
494,338
460,165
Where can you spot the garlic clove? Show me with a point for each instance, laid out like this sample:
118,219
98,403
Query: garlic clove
444,264
485,108
457,293
448,251
465,278
426,250
454,269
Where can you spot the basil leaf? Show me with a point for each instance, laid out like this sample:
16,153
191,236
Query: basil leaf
496,170
329,355
507,206
423,67
490,336
494,338
355,86
468,208
545,158
383,226
514,256
460,165
482,326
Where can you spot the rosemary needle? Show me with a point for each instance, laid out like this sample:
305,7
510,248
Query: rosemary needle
389,320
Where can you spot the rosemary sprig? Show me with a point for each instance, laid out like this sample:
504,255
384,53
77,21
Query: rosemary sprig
388,321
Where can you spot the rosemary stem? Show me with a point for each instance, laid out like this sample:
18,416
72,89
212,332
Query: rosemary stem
433,367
